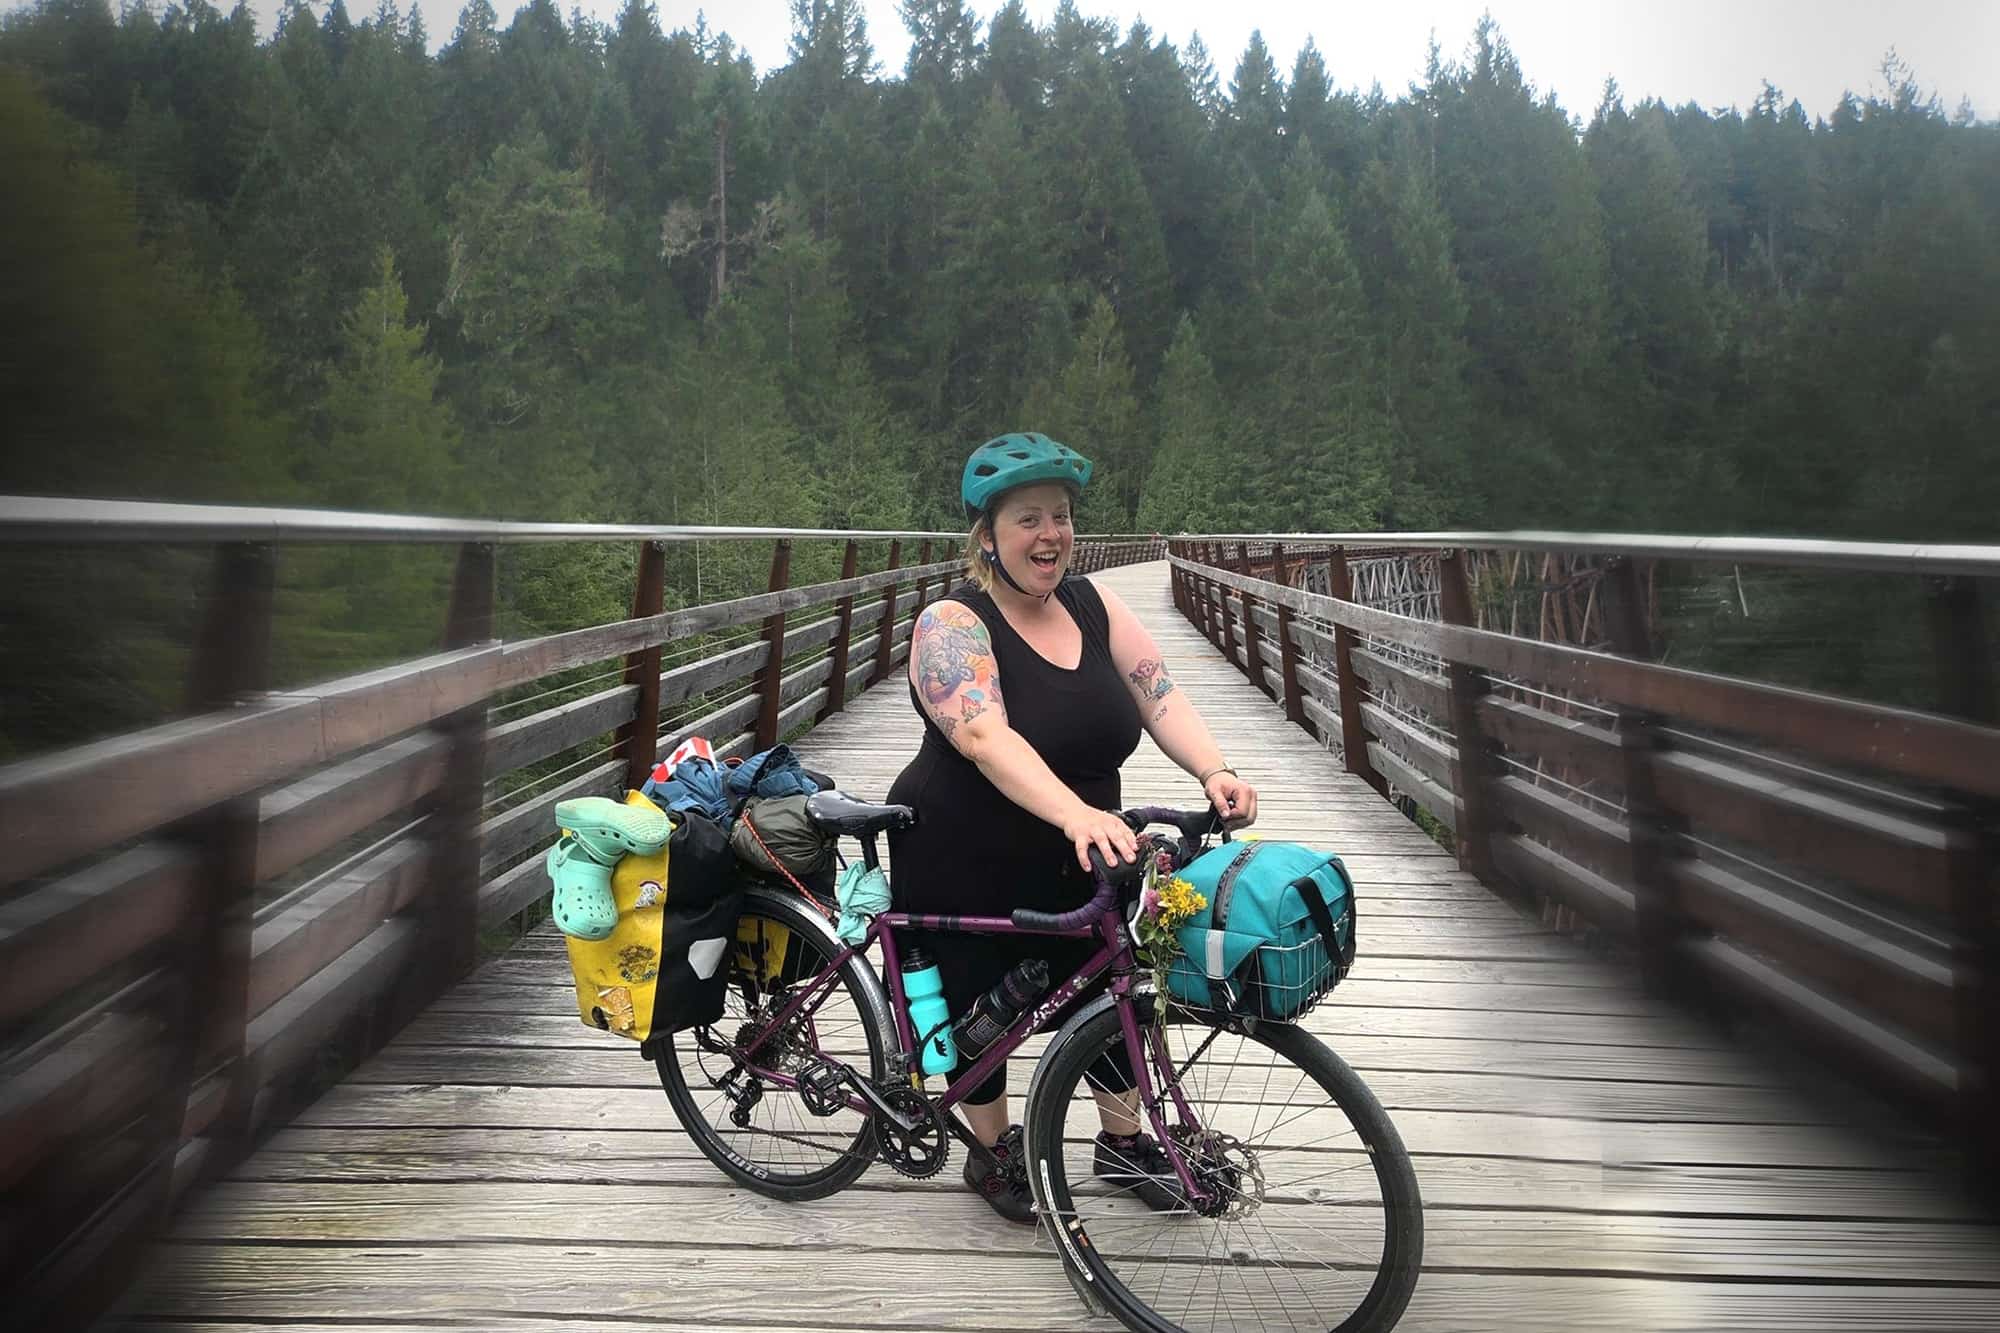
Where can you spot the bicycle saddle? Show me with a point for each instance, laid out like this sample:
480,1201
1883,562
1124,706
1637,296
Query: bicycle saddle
839,813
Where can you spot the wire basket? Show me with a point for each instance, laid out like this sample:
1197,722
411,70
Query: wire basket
1275,983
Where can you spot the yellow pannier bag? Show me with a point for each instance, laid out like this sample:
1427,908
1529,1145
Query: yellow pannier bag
664,965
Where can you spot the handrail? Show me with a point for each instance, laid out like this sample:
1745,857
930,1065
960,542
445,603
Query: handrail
28,518
1933,558
42,519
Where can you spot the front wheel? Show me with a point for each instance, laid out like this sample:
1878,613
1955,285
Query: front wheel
1310,1216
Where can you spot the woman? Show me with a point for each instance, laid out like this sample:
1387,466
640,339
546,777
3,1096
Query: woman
1033,689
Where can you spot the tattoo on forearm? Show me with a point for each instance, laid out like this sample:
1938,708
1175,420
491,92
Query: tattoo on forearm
1159,712
945,659
1151,680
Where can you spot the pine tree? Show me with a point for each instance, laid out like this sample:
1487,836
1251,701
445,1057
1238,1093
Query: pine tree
1190,485
1323,455
391,442
1094,408
1402,245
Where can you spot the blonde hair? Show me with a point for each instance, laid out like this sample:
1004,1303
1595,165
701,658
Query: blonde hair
977,571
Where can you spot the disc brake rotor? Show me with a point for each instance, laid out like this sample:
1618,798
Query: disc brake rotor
1226,1169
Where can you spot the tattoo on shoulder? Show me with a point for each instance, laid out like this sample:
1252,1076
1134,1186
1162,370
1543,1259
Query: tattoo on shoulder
1151,680
948,651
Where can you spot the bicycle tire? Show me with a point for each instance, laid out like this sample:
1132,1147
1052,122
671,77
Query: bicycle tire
1142,1265
814,1156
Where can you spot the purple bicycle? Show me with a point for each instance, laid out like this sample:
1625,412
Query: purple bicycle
1291,1202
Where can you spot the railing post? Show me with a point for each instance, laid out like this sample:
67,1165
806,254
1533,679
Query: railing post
450,915
231,661
1353,734
1222,610
771,680
923,583
1965,689
836,684
1652,831
888,625
1472,770
637,739
1253,657
1288,663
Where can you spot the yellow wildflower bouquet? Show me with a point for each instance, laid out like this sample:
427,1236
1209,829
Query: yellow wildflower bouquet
1167,903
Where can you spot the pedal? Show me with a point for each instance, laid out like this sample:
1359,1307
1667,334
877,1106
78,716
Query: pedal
820,1087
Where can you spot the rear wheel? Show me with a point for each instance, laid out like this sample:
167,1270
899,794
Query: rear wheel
762,1134
1311,1219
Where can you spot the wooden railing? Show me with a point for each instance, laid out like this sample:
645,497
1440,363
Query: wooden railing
190,915
1828,859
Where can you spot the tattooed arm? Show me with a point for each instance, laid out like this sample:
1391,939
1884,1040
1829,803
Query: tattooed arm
1169,716
958,683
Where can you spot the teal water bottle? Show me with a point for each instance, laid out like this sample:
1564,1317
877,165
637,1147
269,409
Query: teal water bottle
923,987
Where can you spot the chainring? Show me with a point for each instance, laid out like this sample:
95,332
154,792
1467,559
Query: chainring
920,1151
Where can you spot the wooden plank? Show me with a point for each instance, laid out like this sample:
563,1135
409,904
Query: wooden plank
1600,899
58,935
508,834
512,889
386,1157
1428,692
306,817
344,906
525,740
1574,1137
691,678
1424,752
289,1030
1485,1240
1463,1303
1432,796
1571,826
1588,751
100,1066
1891,853
1906,986
1915,1065
1399,1088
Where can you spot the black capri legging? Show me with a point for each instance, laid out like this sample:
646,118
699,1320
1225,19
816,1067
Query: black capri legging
970,965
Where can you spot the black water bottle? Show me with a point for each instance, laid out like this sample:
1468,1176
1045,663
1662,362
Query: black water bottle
995,1011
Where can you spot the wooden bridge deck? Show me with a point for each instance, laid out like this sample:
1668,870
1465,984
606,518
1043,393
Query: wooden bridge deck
1589,1158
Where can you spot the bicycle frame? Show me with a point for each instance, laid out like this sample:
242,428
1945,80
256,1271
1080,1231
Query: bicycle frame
1114,949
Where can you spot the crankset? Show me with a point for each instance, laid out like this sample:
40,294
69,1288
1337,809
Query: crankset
913,1138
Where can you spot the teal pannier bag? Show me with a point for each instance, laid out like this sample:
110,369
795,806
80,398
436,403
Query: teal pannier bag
1277,934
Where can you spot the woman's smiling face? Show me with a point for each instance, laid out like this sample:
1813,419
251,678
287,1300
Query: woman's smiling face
1032,534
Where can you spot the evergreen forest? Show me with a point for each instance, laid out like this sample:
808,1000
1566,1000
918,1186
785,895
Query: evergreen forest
562,270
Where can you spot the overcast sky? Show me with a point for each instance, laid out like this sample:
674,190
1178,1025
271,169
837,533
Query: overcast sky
1715,52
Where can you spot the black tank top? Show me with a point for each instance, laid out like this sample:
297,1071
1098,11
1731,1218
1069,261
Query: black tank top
974,851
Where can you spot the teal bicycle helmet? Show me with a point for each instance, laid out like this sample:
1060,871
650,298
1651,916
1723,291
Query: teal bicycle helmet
1017,460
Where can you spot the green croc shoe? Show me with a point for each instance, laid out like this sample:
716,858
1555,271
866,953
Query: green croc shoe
583,905
609,829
